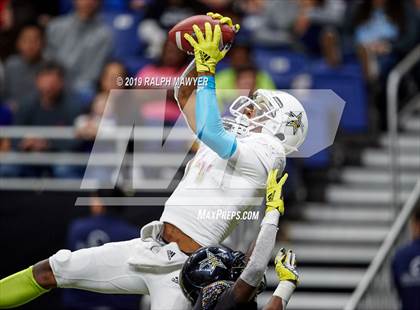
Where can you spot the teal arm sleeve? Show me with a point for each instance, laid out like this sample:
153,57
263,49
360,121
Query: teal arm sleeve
209,126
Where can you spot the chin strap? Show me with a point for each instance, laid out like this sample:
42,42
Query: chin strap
289,149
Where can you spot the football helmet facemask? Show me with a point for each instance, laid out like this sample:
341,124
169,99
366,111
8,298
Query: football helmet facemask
272,112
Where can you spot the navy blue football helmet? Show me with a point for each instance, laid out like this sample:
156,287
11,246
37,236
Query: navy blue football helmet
208,265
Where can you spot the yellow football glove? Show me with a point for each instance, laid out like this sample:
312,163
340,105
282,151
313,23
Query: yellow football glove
224,20
285,263
206,50
274,192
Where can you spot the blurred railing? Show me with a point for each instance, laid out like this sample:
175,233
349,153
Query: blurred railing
393,83
152,158
140,133
81,159
376,291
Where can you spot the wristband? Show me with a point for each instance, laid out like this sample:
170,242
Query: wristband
271,217
284,290
206,82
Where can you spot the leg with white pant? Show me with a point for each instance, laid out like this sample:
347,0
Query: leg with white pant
143,266
130,267
165,292
101,269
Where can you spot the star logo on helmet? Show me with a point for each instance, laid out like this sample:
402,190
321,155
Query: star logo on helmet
295,121
211,262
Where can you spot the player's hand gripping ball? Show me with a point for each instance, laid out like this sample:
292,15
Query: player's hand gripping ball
224,20
228,30
285,264
274,192
206,49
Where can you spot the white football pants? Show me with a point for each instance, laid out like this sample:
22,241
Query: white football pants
144,266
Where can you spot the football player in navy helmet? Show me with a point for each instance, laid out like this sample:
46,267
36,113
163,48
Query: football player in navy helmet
215,277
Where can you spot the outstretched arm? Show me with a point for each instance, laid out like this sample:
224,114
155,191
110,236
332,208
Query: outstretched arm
185,92
245,287
208,123
200,108
201,111
251,277
209,126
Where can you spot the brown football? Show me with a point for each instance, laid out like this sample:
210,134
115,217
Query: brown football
176,34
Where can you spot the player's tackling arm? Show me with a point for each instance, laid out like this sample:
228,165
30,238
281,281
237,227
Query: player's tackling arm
285,263
244,288
251,277
275,303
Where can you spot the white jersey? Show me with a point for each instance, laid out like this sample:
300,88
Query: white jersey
212,184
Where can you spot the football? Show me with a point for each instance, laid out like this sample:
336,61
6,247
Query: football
176,34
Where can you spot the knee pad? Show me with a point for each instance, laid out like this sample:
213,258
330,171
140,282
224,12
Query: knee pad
62,256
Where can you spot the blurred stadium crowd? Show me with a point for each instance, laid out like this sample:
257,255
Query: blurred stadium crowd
60,59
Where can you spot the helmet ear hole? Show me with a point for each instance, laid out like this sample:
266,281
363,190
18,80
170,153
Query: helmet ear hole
280,136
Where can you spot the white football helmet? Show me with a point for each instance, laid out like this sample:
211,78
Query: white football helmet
273,112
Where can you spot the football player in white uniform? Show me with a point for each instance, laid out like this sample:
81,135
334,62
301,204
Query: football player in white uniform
228,172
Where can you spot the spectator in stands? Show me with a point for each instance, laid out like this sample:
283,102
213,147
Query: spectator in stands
246,78
7,33
383,31
316,27
21,69
170,66
51,106
87,124
244,85
33,11
14,15
86,129
239,55
82,43
5,14
161,111
268,22
102,113
293,24
111,72
102,226
406,267
161,16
